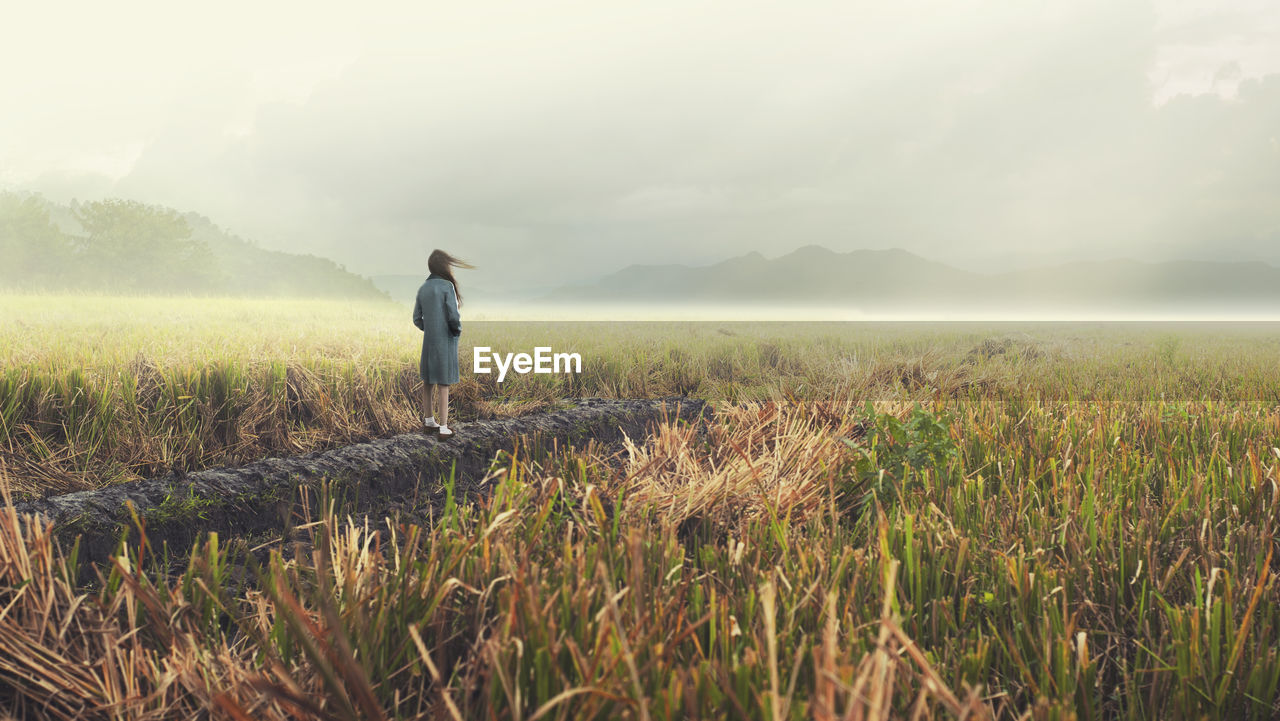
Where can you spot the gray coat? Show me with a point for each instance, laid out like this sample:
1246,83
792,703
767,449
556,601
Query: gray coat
436,314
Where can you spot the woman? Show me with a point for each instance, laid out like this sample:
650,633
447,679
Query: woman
436,314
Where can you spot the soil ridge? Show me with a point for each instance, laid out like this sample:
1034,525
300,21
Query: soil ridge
402,471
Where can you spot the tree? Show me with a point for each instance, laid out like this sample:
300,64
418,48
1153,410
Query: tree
133,246
34,252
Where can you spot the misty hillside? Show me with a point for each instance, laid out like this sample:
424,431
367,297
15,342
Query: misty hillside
896,279
810,274
130,247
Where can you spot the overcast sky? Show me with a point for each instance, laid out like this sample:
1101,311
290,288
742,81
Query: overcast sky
544,140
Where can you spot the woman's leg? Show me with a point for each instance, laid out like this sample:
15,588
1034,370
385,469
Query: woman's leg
428,400
442,401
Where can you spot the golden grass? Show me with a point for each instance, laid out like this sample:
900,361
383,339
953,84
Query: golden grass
101,390
755,459
407,622
799,560
1076,521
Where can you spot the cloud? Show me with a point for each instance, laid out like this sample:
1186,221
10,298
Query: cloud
574,140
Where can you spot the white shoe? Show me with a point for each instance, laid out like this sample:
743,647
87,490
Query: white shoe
445,432
430,423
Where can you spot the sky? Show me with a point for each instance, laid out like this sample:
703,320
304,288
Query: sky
555,142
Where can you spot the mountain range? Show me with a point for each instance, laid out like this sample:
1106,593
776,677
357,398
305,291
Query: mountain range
880,280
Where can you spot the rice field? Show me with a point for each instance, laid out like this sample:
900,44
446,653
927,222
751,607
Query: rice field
1055,521
98,390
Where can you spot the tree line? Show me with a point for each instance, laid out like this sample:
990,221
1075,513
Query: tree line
125,246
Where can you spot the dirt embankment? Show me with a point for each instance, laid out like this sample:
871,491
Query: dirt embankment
405,471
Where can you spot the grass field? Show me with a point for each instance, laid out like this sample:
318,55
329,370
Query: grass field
100,390
1026,521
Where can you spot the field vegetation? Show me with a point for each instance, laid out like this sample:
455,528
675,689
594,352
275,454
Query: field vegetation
890,521
97,390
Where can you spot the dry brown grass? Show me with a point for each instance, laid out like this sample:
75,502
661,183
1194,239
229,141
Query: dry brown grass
102,390
756,459
1028,558
523,608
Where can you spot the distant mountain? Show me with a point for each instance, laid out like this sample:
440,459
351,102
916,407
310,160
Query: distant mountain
880,280
811,274
131,247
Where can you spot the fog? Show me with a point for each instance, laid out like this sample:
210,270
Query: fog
791,313
550,142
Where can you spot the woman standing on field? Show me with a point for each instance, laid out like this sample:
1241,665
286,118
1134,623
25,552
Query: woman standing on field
436,314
